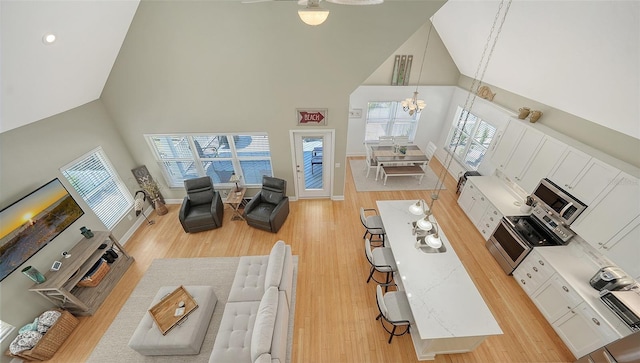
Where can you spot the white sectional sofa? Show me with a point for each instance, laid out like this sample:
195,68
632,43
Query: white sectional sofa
255,321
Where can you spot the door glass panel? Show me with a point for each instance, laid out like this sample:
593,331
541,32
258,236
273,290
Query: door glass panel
313,157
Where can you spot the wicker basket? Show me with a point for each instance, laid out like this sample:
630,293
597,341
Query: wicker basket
53,339
94,279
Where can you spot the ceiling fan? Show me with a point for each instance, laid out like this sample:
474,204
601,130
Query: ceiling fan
313,14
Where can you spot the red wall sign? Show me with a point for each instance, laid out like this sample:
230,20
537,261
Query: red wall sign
312,116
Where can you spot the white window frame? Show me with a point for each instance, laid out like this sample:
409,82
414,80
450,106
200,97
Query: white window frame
462,156
396,116
115,212
192,156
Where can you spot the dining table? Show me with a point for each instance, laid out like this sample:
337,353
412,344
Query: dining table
389,154
449,313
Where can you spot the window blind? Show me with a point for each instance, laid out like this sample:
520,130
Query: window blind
5,329
216,155
95,179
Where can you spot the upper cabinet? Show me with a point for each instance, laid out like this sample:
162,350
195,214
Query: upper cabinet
523,152
542,162
583,176
508,142
613,220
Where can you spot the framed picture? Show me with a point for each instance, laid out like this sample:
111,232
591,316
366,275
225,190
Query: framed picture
311,116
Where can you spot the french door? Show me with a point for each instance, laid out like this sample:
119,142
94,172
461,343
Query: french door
312,158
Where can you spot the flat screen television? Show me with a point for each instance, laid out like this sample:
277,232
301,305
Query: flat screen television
27,225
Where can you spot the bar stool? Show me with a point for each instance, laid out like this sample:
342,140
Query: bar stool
381,259
372,224
394,309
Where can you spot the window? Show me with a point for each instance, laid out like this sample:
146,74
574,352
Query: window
95,179
389,119
5,330
217,155
469,142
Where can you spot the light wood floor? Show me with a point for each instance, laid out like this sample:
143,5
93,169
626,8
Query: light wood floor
335,308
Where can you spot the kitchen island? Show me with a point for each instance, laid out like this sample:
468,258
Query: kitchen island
449,312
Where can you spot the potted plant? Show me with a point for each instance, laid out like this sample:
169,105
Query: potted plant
152,190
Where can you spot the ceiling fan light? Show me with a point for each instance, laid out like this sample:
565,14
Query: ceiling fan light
313,16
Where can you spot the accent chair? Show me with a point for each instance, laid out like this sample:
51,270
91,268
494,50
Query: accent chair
202,208
269,208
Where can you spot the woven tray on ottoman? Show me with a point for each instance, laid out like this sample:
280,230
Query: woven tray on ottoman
53,339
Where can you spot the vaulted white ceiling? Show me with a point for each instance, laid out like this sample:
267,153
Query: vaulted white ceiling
581,57
41,80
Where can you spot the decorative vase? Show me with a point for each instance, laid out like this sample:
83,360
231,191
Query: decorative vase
535,116
161,208
86,232
524,112
35,275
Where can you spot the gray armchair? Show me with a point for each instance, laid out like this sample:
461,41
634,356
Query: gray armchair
270,207
202,208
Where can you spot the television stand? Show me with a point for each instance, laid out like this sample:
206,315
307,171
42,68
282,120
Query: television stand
60,287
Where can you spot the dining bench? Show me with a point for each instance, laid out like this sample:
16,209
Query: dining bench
402,170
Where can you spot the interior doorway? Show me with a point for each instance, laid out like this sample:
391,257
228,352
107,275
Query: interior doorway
313,157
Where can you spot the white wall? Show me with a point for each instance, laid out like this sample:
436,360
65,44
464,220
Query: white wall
432,118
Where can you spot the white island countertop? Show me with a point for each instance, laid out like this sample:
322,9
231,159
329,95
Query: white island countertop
443,298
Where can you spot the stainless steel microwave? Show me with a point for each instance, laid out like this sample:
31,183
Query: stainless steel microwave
557,202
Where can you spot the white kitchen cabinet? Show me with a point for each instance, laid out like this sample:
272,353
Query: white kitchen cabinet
583,330
615,210
482,213
466,198
555,298
571,164
624,248
507,143
545,158
582,176
473,203
489,221
533,272
522,153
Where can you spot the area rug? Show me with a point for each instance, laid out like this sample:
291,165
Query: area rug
217,272
364,184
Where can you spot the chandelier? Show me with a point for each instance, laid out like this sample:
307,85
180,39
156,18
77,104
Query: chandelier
414,105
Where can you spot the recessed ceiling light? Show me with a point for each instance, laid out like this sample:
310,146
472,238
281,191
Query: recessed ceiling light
48,38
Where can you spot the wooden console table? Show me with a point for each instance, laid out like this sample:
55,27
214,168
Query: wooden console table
60,287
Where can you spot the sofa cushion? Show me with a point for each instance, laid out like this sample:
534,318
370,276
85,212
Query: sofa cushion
280,330
233,340
263,358
264,324
286,282
248,283
275,265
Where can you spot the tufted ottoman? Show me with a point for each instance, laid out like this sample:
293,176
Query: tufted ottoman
183,339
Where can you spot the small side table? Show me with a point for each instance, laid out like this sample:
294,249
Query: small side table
235,200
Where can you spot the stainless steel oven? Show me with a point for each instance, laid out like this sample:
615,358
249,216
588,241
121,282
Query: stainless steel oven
507,247
514,238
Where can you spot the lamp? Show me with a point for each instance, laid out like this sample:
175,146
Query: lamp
313,14
413,104
427,223
235,179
